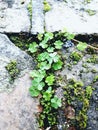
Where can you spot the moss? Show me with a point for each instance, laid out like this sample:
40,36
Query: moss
93,59
20,41
94,71
12,70
47,6
30,9
95,79
76,56
85,65
75,93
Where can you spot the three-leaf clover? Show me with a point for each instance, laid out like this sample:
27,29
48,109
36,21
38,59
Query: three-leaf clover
38,74
56,102
43,56
50,79
50,49
33,47
48,36
34,92
57,65
82,46
58,44
48,94
54,56
44,65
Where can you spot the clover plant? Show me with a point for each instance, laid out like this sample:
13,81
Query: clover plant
43,78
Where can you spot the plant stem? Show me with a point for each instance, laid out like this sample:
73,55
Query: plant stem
90,46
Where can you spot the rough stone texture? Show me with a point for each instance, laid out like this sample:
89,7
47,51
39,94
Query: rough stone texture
37,17
86,75
8,53
18,109
73,16
14,16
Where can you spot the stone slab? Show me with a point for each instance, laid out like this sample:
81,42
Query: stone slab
73,16
9,52
14,16
37,17
18,109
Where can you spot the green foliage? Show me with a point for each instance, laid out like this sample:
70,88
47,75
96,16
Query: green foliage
33,47
89,91
56,102
57,65
95,79
93,59
74,92
68,35
12,70
48,94
30,9
47,6
91,12
49,59
50,79
76,56
82,46
58,44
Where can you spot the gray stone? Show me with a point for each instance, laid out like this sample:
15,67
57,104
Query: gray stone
37,17
14,17
73,16
8,53
82,71
18,109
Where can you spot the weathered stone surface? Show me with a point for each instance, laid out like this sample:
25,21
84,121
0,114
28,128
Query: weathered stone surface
18,109
72,15
37,17
85,72
14,16
8,53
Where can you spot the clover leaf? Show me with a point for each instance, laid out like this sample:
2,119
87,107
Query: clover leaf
69,36
43,56
57,65
58,44
50,49
56,102
48,94
34,92
55,57
43,44
82,46
44,65
48,35
39,75
33,47
36,83
50,79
